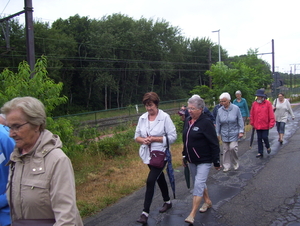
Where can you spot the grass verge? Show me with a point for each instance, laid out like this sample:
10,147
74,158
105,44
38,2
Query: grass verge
101,181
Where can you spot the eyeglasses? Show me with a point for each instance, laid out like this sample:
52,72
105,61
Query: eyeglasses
14,128
192,109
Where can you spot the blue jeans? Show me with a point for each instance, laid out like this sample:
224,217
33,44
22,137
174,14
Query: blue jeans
280,127
262,135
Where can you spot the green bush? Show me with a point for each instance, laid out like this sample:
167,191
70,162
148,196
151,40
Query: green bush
179,125
65,130
88,133
113,145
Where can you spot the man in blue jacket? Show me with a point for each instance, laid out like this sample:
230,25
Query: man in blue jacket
6,147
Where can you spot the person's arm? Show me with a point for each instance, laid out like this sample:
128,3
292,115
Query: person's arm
62,192
184,151
138,137
271,116
240,123
252,115
211,136
3,201
148,140
218,126
170,130
274,104
7,146
290,110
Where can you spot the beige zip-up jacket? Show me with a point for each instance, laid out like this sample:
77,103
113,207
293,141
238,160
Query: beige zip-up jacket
43,184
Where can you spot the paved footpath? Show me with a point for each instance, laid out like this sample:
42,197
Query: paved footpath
262,192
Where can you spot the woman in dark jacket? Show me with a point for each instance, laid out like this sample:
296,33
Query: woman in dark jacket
201,149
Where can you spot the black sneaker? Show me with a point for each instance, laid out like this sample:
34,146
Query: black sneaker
143,219
165,207
259,155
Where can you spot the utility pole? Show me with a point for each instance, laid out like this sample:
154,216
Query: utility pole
273,57
209,63
29,34
218,44
29,31
273,67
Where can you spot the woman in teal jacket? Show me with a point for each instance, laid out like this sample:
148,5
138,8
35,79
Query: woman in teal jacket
243,105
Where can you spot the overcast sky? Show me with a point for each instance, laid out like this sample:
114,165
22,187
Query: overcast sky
243,24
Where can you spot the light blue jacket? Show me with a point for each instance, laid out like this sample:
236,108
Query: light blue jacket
6,147
229,123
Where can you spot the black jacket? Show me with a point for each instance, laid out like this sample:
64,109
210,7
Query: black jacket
200,141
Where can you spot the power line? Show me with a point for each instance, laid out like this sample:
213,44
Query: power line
5,7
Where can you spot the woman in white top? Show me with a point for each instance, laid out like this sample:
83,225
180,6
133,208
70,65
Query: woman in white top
153,129
282,108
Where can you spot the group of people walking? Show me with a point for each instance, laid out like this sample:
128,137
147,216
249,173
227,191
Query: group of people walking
201,136
37,179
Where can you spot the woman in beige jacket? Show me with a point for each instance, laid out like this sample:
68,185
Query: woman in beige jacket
41,181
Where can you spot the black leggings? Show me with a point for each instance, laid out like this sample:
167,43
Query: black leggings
155,174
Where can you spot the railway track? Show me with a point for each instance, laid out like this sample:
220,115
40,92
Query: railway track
115,121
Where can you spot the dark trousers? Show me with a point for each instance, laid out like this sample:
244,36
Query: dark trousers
262,135
155,174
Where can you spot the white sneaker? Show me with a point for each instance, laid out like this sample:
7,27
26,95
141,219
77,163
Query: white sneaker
225,170
235,167
204,207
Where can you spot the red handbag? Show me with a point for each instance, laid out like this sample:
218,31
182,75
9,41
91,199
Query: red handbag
157,159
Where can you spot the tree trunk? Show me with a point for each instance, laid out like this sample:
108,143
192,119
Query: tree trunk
89,96
105,96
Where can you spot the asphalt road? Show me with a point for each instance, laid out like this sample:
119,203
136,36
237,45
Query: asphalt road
262,192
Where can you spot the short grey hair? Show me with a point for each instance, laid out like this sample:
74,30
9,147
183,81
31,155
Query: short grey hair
3,119
225,95
197,101
32,108
3,116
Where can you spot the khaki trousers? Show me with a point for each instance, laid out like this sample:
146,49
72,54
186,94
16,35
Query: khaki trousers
230,154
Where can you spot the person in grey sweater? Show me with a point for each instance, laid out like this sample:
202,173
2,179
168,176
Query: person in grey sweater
229,128
282,109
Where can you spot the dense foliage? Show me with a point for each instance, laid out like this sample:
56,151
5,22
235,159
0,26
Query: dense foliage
111,62
37,84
